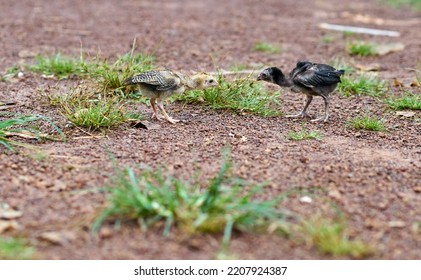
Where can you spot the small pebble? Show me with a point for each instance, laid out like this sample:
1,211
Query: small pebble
396,224
105,232
306,199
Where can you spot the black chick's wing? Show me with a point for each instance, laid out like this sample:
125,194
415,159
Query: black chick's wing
318,75
301,67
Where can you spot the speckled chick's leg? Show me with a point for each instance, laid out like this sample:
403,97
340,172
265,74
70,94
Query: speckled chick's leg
155,113
303,113
168,118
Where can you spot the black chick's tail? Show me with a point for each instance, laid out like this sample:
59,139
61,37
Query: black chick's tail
340,73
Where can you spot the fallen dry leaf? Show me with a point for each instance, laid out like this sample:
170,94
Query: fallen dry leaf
9,214
388,48
406,114
369,67
416,189
7,103
58,237
369,19
334,193
58,186
27,54
48,76
416,227
397,83
396,224
415,83
23,134
373,223
146,125
30,135
8,225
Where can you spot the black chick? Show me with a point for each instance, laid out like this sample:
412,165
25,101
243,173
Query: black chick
309,78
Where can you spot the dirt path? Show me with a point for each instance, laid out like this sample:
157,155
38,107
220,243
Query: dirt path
374,178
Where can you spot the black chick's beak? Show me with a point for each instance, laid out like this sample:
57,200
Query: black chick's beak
259,78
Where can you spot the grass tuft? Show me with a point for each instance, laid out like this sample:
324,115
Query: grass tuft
361,85
58,65
361,48
327,39
304,135
238,67
108,77
241,96
112,77
366,122
23,126
222,205
85,108
413,4
104,113
408,100
267,47
15,249
331,238
348,34
341,63
10,73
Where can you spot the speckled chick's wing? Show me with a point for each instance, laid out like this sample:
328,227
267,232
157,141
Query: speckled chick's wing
156,80
318,75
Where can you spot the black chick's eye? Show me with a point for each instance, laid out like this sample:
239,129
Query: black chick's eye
211,81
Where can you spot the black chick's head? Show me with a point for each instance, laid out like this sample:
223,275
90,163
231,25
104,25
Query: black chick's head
271,75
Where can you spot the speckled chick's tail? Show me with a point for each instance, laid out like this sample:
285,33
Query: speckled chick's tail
129,81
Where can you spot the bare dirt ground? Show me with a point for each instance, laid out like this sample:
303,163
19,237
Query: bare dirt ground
374,178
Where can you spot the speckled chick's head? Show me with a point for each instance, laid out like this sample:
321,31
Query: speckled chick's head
203,80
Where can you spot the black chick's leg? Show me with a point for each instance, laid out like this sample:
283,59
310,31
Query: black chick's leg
326,115
303,113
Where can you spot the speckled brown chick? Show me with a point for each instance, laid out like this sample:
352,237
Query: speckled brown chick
160,84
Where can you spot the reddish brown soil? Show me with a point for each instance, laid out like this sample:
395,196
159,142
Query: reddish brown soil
374,178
